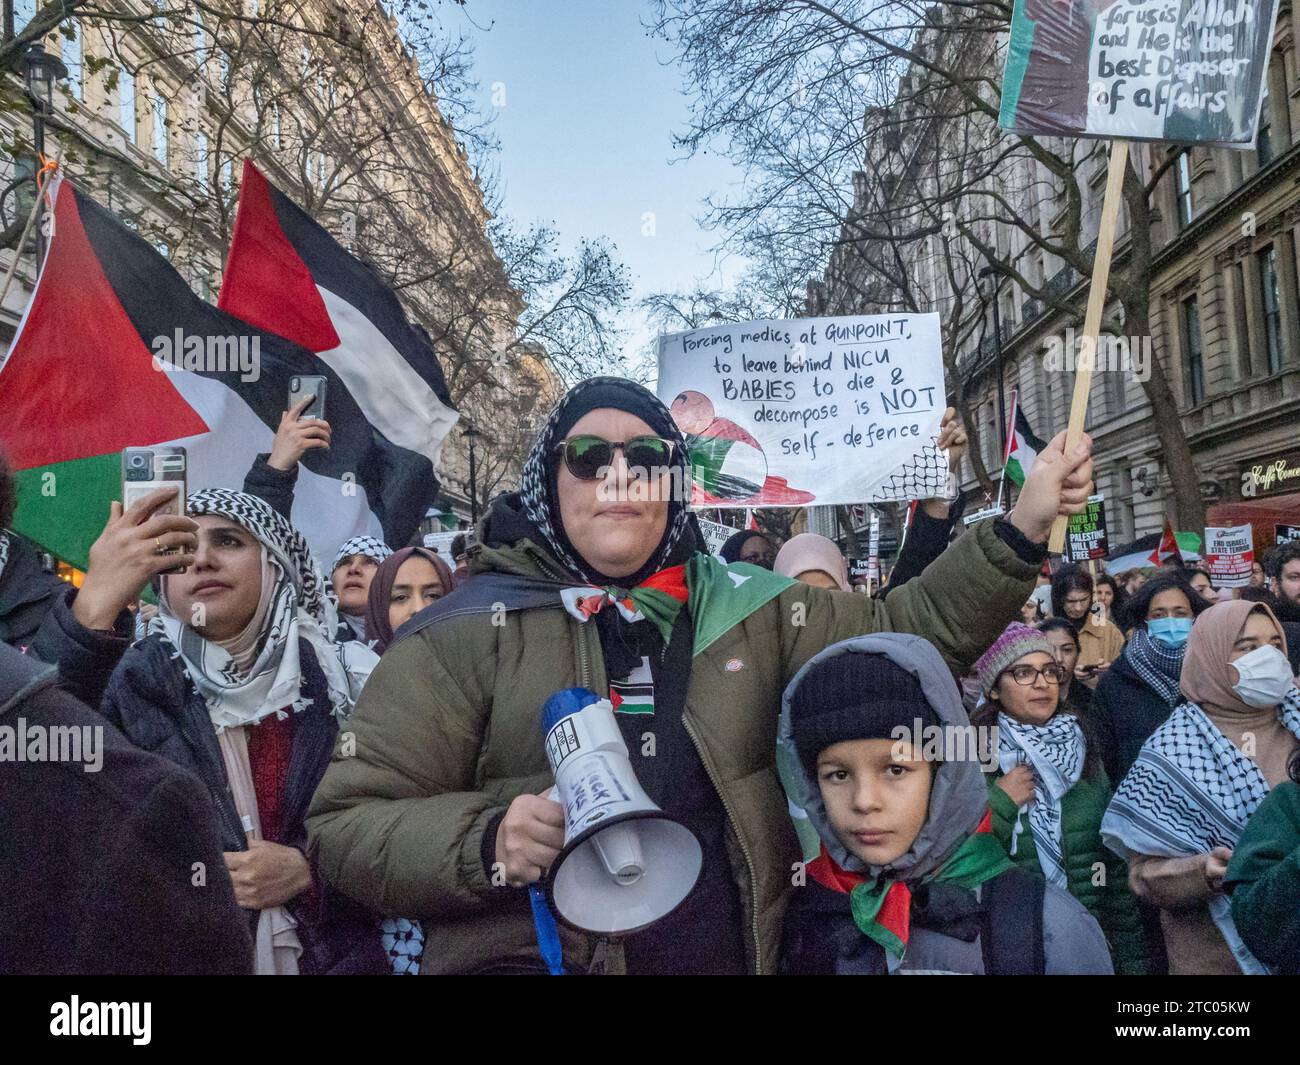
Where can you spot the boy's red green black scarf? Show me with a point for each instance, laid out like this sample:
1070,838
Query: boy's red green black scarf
882,909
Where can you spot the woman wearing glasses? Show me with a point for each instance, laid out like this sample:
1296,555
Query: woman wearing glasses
1050,792
595,574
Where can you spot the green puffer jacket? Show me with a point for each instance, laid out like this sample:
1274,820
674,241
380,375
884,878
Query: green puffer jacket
1111,901
446,734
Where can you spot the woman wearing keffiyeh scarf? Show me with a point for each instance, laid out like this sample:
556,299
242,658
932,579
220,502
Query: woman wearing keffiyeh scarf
1140,689
240,681
1050,793
1199,778
594,574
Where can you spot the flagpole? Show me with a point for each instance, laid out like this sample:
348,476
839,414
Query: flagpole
1010,440
1092,318
18,250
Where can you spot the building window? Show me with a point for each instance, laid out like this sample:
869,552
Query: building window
227,177
1272,306
1264,142
72,59
1186,210
201,159
1193,369
126,102
160,129
1242,331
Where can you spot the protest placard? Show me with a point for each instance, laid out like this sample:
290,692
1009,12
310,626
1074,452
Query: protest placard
715,534
1230,554
811,410
1190,71
1286,533
1086,534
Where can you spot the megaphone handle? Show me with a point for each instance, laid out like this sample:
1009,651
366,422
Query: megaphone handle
548,935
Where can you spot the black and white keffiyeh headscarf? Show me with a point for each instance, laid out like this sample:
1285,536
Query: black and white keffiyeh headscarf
1191,790
1055,752
1157,665
362,545
293,607
537,489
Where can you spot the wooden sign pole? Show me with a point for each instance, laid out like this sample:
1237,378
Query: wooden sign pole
1092,319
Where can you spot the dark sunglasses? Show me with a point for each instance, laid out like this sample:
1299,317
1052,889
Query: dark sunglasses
587,456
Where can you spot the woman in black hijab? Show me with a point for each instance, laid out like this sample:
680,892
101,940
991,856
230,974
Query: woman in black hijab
749,545
595,575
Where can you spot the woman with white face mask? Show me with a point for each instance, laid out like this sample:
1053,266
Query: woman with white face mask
1180,811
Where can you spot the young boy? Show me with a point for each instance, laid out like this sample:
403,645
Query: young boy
904,874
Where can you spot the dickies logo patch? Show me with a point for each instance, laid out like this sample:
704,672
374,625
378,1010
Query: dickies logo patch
734,665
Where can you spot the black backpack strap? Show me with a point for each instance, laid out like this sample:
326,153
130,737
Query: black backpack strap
1011,934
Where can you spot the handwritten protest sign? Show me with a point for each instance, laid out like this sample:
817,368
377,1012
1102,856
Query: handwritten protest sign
1190,71
1086,533
715,534
811,410
1230,553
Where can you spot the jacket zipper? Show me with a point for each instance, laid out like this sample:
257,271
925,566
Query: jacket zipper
749,860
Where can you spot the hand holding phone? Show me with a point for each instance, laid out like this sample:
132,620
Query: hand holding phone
297,435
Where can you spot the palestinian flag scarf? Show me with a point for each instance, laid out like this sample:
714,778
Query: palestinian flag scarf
882,908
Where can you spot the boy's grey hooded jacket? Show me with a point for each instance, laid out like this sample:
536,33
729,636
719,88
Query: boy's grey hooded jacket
1072,940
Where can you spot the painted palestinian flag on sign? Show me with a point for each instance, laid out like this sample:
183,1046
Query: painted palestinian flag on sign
286,274
1022,445
115,351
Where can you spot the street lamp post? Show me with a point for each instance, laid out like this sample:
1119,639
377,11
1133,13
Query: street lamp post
41,71
471,434
988,271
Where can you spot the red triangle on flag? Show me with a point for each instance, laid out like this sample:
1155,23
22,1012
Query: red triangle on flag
1167,548
80,380
266,282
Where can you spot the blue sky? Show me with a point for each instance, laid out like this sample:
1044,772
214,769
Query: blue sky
586,135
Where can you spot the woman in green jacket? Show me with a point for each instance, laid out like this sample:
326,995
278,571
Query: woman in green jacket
1050,791
594,574
1264,877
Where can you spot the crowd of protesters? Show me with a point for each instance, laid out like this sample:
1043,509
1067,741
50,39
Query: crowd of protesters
343,772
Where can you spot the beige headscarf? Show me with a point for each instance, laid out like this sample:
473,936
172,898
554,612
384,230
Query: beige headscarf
811,551
1207,677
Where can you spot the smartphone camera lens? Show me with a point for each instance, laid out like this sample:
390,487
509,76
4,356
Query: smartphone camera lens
136,462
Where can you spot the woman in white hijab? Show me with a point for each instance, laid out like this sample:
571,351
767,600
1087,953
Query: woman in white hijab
814,560
240,681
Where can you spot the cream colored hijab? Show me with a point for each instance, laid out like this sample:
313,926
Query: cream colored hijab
809,551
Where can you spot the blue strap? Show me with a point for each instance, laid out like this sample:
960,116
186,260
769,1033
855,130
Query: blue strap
548,935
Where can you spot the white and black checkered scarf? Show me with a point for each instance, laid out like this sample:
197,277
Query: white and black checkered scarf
1191,790
297,610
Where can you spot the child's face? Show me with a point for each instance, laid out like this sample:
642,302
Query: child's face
877,794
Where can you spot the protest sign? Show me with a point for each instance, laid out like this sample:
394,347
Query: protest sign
441,542
1230,553
860,571
811,410
1286,533
716,534
1086,532
1190,71
873,549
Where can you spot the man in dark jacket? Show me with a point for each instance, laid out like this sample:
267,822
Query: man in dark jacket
111,862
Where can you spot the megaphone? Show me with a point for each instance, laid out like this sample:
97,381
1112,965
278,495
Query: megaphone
625,863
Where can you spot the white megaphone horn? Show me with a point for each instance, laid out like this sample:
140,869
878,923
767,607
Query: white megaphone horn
625,863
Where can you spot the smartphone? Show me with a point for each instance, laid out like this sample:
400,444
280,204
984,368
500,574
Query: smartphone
309,385
145,470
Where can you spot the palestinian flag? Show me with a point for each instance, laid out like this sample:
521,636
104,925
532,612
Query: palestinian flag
1146,551
286,274
115,351
728,468
1167,548
1022,445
